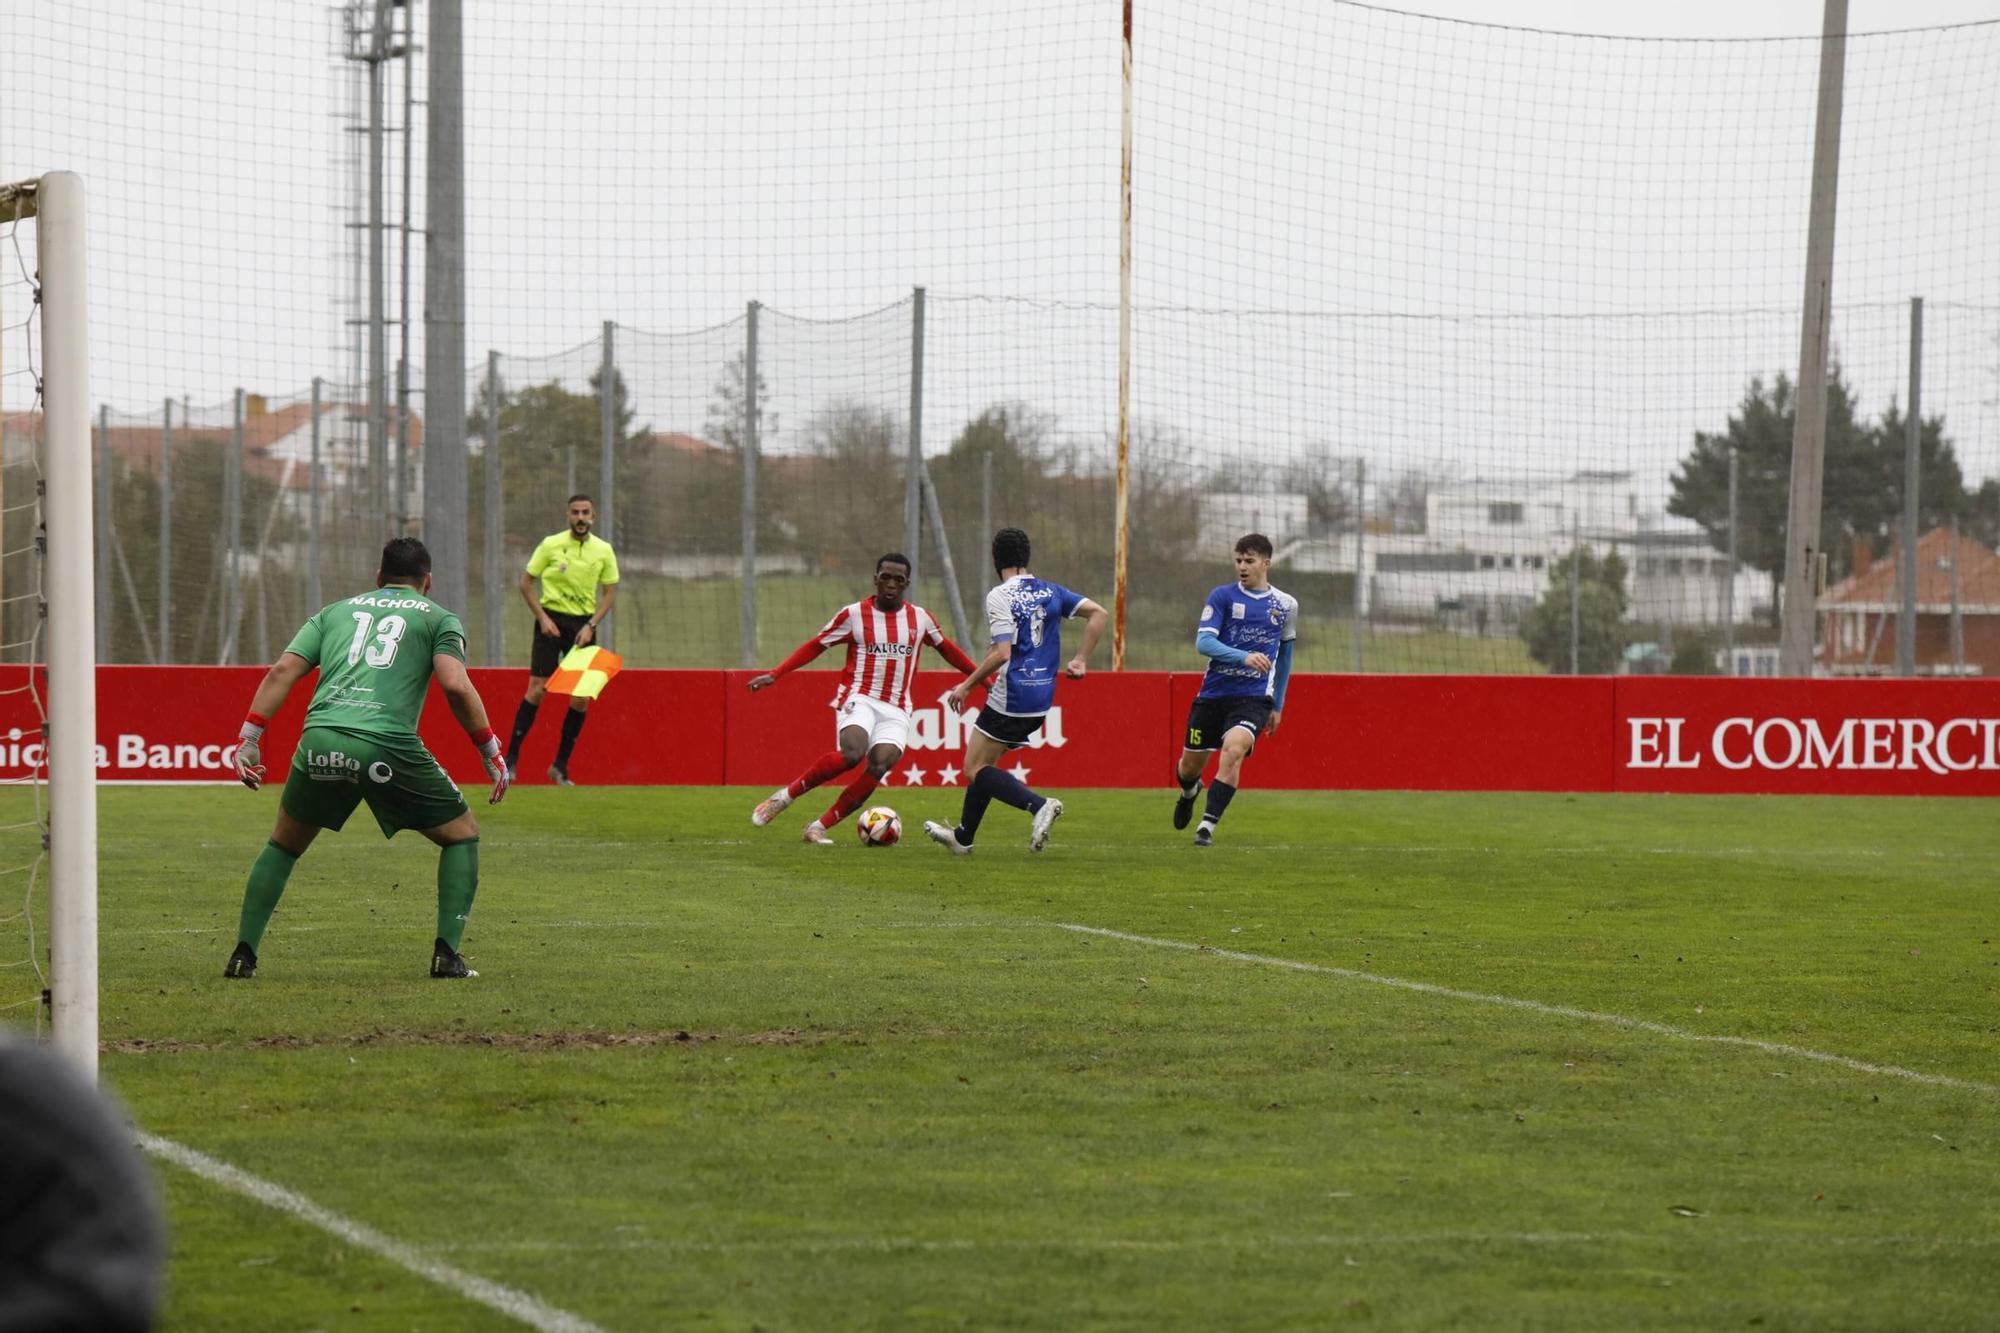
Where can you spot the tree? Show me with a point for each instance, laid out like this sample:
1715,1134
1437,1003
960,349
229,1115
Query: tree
546,431
1600,606
1941,494
1760,434
726,426
844,499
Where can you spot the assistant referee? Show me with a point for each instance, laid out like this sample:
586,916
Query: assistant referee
572,564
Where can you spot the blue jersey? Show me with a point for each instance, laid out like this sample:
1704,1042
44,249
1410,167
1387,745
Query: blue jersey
1247,622
1026,612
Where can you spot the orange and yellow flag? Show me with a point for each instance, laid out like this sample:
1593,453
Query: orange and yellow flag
584,672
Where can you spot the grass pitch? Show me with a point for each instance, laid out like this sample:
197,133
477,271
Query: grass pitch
711,1077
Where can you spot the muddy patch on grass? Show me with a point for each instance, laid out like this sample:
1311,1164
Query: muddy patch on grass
517,1041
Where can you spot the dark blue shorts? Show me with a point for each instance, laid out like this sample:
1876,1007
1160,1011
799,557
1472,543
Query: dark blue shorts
1007,728
1208,719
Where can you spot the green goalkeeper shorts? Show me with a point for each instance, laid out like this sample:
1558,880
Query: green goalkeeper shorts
333,771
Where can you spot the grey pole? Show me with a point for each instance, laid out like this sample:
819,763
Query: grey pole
946,570
313,602
1575,593
403,283
496,590
986,498
167,531
748,652
1360,556
446,502
1803,559
913,470
1906,564
607,455
232,535
378,425
103,499
1729,578
1957,612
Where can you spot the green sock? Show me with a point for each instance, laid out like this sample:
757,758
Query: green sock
260,896
458,880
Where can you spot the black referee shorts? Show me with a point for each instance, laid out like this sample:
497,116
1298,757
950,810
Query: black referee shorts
548,652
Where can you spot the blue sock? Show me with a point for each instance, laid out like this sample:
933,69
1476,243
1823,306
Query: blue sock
994,784
1219,793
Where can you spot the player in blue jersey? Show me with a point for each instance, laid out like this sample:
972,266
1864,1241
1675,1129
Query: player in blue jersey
1023,618
1246,632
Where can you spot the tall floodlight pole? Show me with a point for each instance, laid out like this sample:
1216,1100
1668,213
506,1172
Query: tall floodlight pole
378,420
1119,560
446,500
1803,558
1906,564
913,469
747,653
70,579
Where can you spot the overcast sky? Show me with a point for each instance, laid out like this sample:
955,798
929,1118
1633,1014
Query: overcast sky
1468,242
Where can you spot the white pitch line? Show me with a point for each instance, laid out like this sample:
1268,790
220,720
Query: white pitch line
1551,1010
517,1305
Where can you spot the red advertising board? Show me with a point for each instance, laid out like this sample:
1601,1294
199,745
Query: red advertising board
1439,733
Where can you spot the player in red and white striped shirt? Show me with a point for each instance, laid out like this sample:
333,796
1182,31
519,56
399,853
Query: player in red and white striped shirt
884,636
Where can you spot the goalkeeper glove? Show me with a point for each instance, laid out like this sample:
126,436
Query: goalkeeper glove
250,752
496,765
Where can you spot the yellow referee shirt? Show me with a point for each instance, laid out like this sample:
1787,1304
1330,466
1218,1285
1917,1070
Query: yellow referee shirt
571,570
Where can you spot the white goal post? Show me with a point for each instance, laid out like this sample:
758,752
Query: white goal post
55,201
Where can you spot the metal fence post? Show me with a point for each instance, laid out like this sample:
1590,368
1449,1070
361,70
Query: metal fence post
1906,566
607,458
913,470
102,497
496,590
166,606
232,535
313,602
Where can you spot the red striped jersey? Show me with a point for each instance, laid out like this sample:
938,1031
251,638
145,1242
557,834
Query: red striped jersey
882,648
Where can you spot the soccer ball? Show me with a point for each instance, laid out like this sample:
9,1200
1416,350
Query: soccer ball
879,826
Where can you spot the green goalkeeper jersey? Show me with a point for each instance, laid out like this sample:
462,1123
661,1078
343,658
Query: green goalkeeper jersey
374,654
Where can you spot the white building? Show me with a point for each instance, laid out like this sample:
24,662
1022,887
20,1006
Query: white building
1485,552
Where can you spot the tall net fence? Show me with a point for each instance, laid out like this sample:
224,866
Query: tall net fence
1475,322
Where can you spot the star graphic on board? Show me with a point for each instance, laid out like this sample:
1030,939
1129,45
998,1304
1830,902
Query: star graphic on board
913,776
948,776
1020,771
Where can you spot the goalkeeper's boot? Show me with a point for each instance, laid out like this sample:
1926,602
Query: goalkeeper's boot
560,776
1184,804
1204,835
816,833
242,964
771,807
1045,818
947,835
447,964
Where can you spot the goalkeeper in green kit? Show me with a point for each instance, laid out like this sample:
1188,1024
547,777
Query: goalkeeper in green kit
376,654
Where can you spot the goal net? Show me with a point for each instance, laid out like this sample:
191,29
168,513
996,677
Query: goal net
48,804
